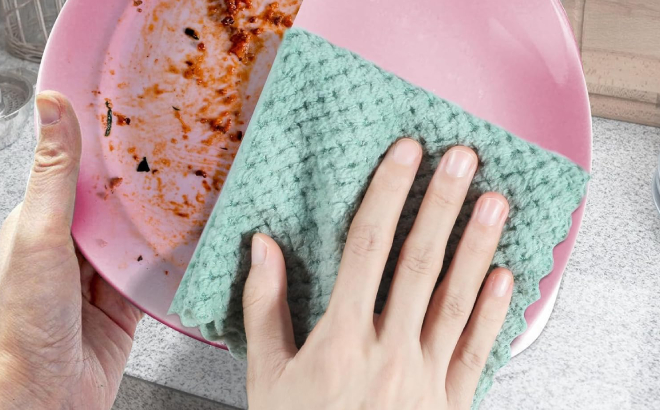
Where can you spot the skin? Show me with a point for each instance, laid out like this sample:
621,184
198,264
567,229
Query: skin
427,349
65,334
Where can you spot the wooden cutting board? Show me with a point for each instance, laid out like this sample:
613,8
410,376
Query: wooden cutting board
620,46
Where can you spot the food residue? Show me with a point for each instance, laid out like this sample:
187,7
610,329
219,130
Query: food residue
240,43
122,119
143,166
193,94
184,127
108,126
191,33
114,183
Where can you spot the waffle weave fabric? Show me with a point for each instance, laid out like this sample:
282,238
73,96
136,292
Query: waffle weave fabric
323,122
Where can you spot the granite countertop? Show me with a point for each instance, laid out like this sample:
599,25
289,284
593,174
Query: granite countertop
600,349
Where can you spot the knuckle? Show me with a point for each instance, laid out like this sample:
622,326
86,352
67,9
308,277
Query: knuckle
489,321
478,246
473,359
445,199
253,297
454,307
363,240
418,260
51,156
390,373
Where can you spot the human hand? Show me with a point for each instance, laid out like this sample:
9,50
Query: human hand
427,349
65,334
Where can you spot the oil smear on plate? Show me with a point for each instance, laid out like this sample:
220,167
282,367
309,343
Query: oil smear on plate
173,104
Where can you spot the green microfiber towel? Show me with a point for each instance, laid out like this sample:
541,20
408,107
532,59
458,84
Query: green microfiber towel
323,122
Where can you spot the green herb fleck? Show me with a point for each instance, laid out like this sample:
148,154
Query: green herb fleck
108,127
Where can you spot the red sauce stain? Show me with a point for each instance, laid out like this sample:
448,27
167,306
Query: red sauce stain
215,71
273,15
184,127
122,119
240,44
152,91
195,69
218,179
230,99
114,183
159,148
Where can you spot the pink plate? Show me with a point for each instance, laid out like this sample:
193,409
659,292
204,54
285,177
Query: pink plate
512,62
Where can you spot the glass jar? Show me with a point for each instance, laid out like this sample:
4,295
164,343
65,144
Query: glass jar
28,24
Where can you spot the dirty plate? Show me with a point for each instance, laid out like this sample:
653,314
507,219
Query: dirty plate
181,99
164,91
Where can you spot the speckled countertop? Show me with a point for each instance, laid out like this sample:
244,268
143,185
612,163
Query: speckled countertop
600,349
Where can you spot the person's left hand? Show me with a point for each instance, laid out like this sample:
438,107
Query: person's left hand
65,334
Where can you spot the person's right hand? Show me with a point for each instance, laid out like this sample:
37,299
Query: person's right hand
427,349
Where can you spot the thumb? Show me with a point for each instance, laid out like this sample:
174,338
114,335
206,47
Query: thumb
266,311
48,206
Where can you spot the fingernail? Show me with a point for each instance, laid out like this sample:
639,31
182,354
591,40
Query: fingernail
501,284
457,163
490,211
405,152
259,251
48,109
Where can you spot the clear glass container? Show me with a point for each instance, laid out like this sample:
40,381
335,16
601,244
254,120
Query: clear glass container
28,24
16,97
